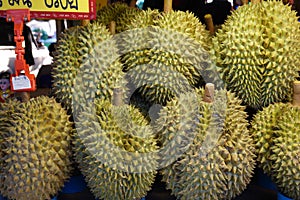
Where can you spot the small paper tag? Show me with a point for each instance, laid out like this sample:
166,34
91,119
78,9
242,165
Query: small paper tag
21,82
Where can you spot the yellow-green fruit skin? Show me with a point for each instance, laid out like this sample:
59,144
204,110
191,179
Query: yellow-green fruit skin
115,150
36,150
257,50
166,54
277,138
86,66
218,152
120,13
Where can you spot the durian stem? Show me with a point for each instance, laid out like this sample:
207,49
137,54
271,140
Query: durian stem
209,93
209,23
296,93
245,2
112,27
167,5
132,3
255,1
23,96
85,22
117,97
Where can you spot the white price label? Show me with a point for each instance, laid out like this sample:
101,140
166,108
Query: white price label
21,82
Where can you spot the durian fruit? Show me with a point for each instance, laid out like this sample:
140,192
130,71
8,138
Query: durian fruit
162,51
257,50
213,150
116,151
66,64
6,111
277,137
36,149
93,66
121,13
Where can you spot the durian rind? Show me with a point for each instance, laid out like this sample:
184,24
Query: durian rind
116,151
74,46
118,12
169,45
219,161
276,133
257,50
36,159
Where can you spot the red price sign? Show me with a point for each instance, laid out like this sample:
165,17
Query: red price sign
53,9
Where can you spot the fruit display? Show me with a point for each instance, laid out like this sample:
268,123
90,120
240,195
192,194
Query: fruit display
115,149
276,133
217,152
204,147
35,148
257,51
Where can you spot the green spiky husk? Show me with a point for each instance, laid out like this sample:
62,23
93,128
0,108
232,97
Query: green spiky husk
121,13
93,69
170,47
258,52
36,158
217,154
277,137
115,149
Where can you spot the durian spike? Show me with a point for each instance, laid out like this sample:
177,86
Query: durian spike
255,1
167,5
209,93
209,23
296,93
112,27
85,22
132,3
117,97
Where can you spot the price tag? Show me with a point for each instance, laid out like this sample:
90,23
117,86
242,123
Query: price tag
21,82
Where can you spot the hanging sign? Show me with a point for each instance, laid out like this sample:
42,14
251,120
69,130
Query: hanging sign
53,9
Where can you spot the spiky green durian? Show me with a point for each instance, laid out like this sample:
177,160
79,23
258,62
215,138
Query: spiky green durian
166,53
213,147
258,52
125,18
95,66
66,65
276,131
7,110
115,149
121,13
36,160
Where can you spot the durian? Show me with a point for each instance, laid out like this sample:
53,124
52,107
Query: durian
94,70
257,50
116,151
277,137
121,13
167,55
66,65
36,149
210,142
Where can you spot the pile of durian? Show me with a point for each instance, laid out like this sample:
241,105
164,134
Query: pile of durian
204,150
